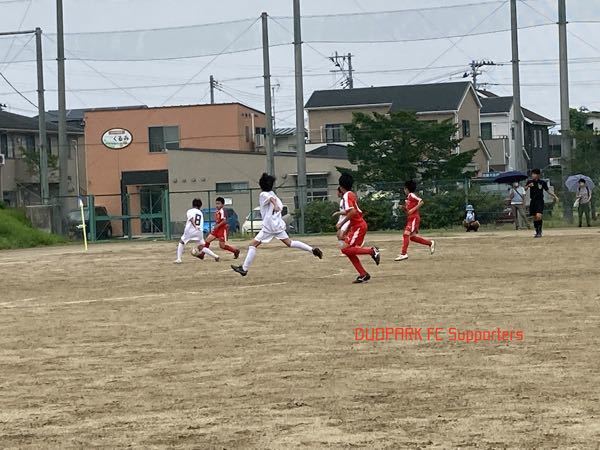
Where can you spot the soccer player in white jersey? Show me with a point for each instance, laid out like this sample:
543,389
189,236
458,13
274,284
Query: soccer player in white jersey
193,231
273,225
341,232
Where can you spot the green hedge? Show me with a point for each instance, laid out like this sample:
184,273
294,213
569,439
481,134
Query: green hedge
16,231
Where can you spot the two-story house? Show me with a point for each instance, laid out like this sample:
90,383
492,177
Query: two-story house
329,110
497,131
19,136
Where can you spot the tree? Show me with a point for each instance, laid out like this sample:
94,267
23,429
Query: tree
396,147
32,159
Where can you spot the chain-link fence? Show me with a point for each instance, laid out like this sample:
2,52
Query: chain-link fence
156,212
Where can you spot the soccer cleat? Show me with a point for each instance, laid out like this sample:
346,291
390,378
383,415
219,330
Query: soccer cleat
217,258
240,270
432,248
537,235
177,261
376,255
236,254
401,258
317,252
362,279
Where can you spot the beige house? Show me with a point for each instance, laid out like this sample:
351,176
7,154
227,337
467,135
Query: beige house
234,176
19,184
328,112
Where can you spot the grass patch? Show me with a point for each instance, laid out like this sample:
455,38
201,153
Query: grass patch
16,231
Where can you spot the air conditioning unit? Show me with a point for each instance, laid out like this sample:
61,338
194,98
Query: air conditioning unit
2,159
259,140
554,162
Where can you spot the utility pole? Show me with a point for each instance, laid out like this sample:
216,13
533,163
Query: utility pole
344,65
44,187
267,89
475,72
300,144
212,90
565,124
517,112
63,149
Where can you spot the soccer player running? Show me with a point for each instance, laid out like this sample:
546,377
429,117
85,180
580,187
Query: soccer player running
273,226
536,188
194,231
220,230
357,230
412,204
341,233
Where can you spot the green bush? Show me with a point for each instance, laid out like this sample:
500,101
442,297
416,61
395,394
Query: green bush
447,209
377,212
16,231
318,218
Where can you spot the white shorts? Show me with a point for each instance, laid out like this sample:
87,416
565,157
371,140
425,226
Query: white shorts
194,235
265,237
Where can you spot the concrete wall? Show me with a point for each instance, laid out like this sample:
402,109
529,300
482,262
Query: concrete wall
192,173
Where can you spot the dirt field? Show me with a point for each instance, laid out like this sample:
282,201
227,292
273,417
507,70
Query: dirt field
120,347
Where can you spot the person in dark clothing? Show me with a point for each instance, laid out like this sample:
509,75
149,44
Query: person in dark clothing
536,188
584,197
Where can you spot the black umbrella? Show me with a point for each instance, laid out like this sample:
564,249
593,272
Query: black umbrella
510,177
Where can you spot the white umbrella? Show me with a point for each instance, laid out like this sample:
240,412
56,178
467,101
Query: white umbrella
572,183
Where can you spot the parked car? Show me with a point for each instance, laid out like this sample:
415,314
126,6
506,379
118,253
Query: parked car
209,220
103,227
256,222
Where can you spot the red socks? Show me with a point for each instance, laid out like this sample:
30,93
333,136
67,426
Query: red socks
416,238
352,254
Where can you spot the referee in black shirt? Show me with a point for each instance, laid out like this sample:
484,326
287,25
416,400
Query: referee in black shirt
536,188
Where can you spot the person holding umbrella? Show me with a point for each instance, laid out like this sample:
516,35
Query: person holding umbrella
584,196
536,187
517,204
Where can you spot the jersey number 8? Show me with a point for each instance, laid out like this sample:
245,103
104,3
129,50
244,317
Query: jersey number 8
197,220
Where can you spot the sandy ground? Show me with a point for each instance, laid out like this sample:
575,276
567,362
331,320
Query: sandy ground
120,347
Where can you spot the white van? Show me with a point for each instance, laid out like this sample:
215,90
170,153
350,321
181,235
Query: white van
255,225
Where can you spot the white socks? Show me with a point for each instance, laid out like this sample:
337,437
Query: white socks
341,243
249,257
180,248
301,246
209,252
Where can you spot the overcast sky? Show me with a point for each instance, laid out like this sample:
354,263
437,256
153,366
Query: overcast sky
375,63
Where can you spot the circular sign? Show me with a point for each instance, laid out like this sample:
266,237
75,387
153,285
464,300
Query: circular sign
117,138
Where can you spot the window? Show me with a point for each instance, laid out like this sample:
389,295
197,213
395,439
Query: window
486,130
512,133
316,187
466,128
260,130
4,144
247,134
163,138
232,186
336,133
30,142
537,139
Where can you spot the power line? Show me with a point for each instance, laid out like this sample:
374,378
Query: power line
16,90
211,61
12,42
454,44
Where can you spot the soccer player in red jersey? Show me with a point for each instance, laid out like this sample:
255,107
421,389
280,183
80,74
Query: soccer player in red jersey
413,220
219,231
357,231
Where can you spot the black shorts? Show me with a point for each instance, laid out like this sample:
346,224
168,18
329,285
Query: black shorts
536,207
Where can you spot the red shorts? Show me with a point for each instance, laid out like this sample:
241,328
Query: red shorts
412,224
220,234
356,234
